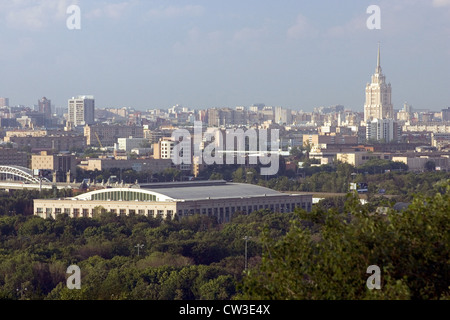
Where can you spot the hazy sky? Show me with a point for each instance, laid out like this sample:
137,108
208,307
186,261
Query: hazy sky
291,53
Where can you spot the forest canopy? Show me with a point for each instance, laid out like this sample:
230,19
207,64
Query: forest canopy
323,254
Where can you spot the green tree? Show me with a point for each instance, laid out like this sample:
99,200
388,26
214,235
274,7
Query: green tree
430,165
411,248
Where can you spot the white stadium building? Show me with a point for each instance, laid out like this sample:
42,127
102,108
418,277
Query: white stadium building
175,199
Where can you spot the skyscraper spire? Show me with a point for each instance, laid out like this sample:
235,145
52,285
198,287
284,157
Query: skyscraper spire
378,95
378,60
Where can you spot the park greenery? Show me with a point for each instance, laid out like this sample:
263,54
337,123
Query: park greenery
323,254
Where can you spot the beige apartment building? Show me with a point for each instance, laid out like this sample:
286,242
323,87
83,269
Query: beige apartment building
417,162
320,140
26,133
359,158
61,165
150,164
58,142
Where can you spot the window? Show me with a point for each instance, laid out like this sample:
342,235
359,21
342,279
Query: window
132,212
141,212
151,213
57,210
48,210
67,211
122,212
85,213
39,210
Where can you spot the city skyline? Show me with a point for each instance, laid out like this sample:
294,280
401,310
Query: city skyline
154,54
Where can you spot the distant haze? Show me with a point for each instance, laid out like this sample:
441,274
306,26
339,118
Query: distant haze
201,54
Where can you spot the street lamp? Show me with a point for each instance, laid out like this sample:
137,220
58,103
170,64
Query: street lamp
139,246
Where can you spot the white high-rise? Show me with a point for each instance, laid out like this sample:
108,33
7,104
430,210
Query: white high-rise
81,110
378,96
386,130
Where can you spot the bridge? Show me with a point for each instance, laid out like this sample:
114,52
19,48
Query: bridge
21,178
17,177
17,173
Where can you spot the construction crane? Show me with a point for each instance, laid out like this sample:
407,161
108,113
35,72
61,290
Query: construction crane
98,139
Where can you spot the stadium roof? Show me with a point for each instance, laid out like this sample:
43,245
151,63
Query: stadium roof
196,190
212,190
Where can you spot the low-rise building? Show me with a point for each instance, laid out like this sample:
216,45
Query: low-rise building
13,157
359,158
106,135
57,142
417,162
219,199
63,166
150,164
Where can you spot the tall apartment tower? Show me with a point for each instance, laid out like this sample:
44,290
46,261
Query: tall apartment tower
81,110
4,102
378,96
386,130
45,107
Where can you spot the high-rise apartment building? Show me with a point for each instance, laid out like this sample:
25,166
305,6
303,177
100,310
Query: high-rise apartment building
164,148
378,96
446,114
4,102
383,130
45,107
81,110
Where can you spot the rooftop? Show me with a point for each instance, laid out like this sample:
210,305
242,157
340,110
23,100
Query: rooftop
182,191
196,190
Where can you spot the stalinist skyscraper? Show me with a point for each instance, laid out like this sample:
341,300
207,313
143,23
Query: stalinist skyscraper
378,96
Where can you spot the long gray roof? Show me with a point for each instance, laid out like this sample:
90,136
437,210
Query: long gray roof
210,189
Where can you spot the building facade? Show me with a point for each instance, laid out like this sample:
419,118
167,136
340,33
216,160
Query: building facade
81,110
386,130
107,135
357,159
56,142
45,107
13,157
219,199
153,165
63,166
127,144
